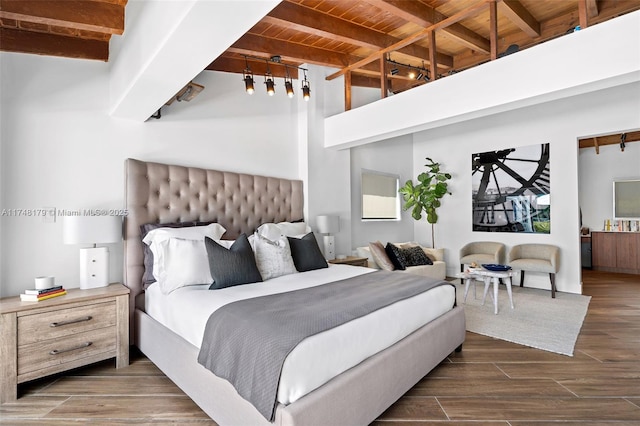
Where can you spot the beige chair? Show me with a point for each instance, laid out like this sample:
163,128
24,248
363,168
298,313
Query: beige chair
481,252
536,258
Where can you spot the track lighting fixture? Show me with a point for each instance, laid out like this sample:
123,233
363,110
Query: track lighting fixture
288,83
269,81
306,90
271,85
247,76
414,73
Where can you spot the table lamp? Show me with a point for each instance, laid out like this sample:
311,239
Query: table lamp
94,261
328,224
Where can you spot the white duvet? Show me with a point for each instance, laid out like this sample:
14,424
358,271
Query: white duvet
318,358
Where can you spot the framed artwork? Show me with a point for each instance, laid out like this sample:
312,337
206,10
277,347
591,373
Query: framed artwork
511,190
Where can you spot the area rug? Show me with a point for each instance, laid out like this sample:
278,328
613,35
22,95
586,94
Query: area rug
537,320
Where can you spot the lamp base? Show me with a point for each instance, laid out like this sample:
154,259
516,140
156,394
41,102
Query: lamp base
329,247
94,267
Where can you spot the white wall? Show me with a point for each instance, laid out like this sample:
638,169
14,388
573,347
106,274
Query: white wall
596,175
329,186
394,156
60,148
560,123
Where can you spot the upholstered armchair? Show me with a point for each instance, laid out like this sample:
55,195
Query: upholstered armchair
536,258
481,252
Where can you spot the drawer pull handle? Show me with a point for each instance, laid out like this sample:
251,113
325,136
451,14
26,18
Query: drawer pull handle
61,323
58,352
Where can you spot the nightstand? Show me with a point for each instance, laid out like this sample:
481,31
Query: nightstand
42,338
351,260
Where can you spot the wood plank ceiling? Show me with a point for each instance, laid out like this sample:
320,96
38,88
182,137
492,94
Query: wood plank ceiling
363,39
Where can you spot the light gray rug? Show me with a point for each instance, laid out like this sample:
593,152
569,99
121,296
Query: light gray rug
537,320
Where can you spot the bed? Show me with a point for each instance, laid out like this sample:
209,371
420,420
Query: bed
160,193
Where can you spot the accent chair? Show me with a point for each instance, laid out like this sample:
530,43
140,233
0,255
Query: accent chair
481,252
536,258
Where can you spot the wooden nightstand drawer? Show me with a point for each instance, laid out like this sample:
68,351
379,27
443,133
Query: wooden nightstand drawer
49,353
65,322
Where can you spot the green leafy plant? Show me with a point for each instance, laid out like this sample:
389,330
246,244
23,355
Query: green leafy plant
424,197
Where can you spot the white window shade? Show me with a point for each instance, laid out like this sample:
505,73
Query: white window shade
380,199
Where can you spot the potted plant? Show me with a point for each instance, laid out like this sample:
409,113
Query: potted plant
426,194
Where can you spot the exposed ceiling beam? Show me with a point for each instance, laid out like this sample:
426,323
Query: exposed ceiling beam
425,16
613,139
520,16
80,15
52,44
415,37
258,68
592,8
251,44
300,18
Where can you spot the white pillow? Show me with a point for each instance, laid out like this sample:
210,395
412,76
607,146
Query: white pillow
213,231
180,263
273,257
273,231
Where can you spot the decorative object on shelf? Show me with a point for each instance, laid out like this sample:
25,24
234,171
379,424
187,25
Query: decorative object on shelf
94,262
511,190
247,77
43,283
495,267
328,225
426,194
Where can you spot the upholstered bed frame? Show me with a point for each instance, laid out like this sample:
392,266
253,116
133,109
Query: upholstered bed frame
160,193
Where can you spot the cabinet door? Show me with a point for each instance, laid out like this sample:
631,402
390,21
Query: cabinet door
603,249
627,251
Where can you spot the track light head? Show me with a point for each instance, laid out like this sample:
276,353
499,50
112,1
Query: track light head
306,90
288,85
394,71
420,75
268,80
248,81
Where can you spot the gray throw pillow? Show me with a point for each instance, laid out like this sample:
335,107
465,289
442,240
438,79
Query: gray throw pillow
306,253
233,266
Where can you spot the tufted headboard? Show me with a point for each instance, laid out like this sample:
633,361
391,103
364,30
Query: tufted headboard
161,193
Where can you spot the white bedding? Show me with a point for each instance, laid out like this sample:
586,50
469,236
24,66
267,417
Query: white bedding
318,358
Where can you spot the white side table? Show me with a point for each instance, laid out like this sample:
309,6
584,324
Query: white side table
481,274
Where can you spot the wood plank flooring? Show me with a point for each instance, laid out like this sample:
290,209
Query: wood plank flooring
491,382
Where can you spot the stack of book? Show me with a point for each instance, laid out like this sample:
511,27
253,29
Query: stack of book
37,295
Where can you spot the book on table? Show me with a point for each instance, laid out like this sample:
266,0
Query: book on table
43,290
43,296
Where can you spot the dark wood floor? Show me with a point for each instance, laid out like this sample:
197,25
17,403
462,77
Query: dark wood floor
491,382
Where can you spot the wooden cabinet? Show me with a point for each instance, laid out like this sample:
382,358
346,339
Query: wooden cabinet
42,338
616,251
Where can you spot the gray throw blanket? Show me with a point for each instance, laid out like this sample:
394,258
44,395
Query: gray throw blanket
246,342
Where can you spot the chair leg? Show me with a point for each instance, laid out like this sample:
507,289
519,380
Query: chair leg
553,284
521,278
461,267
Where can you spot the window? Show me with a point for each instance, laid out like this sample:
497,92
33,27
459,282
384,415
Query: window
380,198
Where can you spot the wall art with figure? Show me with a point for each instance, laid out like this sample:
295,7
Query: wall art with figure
511,190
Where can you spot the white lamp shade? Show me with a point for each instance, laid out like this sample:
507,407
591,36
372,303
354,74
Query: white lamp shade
328,224
91,229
